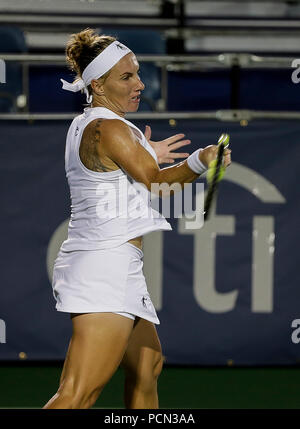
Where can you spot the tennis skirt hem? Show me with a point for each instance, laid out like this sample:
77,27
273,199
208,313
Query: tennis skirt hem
154,320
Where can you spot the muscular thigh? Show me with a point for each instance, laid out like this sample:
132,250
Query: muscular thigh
96,349
143,351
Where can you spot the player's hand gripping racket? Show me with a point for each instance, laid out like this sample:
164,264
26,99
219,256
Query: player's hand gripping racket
214,174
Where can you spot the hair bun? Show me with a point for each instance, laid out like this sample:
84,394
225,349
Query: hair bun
79,45
83,47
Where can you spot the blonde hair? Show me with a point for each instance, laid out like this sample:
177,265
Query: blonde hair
83,47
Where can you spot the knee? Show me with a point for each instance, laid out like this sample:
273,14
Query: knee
145,378
158,366
86,398
78,397
150,377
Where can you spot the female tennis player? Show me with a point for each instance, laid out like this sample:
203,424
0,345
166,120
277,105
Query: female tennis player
98,275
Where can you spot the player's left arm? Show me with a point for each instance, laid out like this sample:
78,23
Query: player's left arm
164,149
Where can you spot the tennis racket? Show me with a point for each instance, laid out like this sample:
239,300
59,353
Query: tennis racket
215,170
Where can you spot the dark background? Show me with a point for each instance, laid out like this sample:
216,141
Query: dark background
235,359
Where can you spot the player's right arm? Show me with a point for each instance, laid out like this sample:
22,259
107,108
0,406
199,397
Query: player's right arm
119,144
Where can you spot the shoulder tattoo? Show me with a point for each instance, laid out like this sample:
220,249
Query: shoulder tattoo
88,149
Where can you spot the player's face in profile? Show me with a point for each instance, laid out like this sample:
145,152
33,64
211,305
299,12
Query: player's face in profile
123,86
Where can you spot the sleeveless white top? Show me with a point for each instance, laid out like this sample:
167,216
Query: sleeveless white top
107,209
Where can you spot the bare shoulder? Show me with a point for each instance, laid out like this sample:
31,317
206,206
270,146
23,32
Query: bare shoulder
111,143
107,130
114,129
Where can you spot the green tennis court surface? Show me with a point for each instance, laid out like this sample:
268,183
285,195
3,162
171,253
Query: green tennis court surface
31,386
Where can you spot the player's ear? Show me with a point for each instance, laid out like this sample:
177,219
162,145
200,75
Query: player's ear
97,87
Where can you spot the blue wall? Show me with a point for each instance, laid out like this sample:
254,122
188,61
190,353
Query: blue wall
229,290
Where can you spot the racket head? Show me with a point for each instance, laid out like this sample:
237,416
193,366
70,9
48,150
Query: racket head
224,140
213,177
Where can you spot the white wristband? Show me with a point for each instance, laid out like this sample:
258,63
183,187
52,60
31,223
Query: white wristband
195,164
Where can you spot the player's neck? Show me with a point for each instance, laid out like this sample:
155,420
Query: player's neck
108,105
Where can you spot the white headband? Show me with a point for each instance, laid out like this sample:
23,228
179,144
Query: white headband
97,68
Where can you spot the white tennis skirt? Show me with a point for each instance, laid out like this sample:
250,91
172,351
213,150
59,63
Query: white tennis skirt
108,280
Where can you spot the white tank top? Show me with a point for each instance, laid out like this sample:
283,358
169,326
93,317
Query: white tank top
107,209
